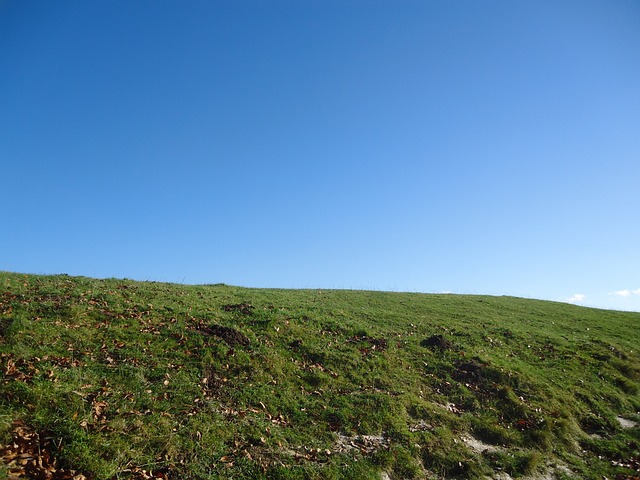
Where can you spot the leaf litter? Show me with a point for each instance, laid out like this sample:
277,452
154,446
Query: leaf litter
30,454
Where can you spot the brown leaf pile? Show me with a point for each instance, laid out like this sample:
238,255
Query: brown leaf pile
31,455
28,455
18,370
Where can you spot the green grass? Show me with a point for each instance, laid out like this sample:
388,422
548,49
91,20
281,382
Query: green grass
123,376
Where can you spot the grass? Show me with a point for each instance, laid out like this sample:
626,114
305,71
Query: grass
121,379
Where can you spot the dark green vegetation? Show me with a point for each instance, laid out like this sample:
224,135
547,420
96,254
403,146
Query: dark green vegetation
113,377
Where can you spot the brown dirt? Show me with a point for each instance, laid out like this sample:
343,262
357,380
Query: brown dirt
379,344
230,335
437,341
243,308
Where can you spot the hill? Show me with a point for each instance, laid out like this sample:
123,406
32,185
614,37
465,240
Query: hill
116,379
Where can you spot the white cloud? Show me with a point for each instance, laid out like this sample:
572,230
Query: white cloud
622,293
576,298
625,292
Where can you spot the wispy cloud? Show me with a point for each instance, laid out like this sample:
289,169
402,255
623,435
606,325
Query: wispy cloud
622,293
626,292
576,298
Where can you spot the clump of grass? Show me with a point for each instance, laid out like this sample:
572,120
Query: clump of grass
405,464
627,385
488,430
518,463
629,370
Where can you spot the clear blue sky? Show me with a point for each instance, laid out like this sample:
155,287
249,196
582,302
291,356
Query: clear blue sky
474,147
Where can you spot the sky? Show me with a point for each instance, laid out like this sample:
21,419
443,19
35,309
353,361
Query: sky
426,146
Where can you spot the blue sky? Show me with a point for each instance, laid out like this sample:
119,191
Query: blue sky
473,147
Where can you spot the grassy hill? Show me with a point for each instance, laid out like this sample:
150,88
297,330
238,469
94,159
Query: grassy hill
116,379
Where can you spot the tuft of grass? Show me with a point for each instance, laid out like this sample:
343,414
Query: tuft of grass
216,381
518,463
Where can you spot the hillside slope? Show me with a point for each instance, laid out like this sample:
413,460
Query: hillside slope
116,379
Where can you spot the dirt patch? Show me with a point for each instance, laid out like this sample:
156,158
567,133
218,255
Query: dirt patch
367,344
479,446
214,382
362,443
437,341
552,472
295,345
243,308
626,423
478,376
421,426
231,336
472,374
450,407
471,371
